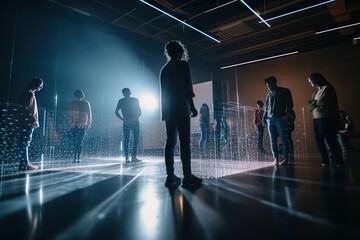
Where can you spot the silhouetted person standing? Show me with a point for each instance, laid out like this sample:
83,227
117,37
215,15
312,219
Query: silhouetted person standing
204,128
29,120
259,124
80,119
324,107
278,105
176,105
131,111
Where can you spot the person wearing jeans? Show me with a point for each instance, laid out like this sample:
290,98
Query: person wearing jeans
278,105
131,111
28,121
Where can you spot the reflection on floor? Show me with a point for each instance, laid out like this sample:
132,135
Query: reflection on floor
109,199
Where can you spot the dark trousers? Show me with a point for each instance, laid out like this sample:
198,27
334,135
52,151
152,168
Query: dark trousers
325,130
134,127
259,137
25,138
78,135
173,128
204,137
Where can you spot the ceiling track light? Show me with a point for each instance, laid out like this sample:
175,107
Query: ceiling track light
337,28
299,10
252,10
183,22
259,60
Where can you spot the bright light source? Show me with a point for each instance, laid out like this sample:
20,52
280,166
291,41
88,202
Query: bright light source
337,28
148,102
262,20
299,10
259,60
183,22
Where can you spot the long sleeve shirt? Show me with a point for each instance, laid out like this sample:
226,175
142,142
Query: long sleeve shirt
323,103
30,115
278,103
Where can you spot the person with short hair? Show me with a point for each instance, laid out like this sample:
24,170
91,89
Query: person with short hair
176,106
278,105
29,120
130,113
79,120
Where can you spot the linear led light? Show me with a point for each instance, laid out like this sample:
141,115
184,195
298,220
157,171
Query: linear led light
167,14
262,20
299,10
333,29
259,60
357,38
223,5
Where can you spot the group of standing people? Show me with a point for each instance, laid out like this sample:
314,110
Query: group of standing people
278,116
177,107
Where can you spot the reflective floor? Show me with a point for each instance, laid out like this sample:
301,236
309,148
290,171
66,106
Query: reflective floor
115,200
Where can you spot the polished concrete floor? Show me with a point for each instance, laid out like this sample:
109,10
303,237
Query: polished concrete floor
114,200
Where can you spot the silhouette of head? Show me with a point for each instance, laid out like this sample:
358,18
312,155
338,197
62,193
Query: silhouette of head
271,83
36,84
79,94
176,50
126,92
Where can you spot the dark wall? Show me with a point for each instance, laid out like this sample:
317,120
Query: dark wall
339,64
74,51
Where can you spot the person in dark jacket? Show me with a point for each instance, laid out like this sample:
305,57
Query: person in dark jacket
278,105
176,106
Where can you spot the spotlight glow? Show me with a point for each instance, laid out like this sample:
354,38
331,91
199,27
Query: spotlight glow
148,102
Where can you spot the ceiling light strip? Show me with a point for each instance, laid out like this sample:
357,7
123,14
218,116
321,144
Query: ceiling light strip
223,5
299,10
357,38
262,20
259,60
337,28
188,25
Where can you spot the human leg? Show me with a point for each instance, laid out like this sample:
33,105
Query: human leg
171,135
126,131
24,144
330,137
259,137
319,130
79,135
185,152
273,135
280,127
136,133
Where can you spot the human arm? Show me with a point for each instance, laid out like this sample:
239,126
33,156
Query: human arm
89,112
189,91
118,107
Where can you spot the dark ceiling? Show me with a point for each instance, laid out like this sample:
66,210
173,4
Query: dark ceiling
242,37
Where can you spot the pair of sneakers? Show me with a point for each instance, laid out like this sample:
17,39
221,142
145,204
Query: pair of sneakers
172,180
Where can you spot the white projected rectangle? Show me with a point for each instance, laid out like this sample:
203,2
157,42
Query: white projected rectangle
203,94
